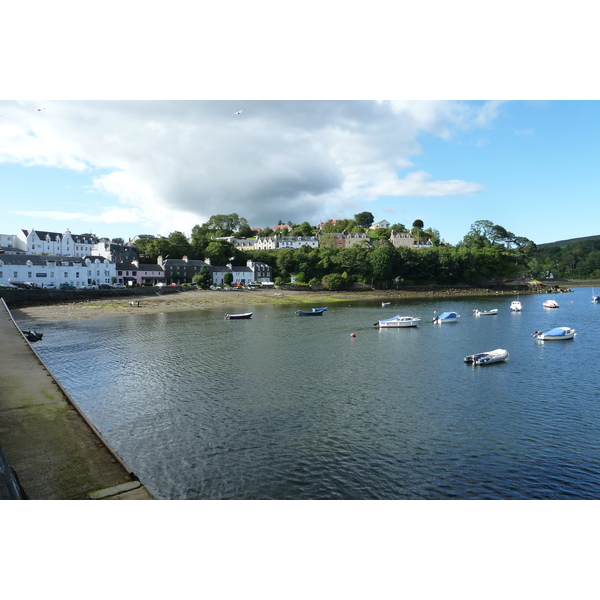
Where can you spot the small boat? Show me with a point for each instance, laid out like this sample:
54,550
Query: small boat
487,358
385,303
239,316
447,317
516,306
558,333
321,309
33,336
309,313
596,299
398,321
479,313
550,304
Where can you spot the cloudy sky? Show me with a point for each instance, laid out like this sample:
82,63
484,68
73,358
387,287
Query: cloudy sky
120,168
105,156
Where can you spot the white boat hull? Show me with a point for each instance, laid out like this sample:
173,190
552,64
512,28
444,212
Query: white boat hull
480,313
398,321
566,333
550,304
488,358
516,306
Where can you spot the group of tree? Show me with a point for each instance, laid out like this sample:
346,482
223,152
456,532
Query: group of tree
577,259
486,252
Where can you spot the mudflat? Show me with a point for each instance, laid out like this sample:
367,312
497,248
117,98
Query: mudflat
155,302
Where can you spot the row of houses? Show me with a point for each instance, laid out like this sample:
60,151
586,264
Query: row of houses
67,244
403,239
47,271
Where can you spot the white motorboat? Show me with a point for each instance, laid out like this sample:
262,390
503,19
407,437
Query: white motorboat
398,321
479,313
446,317
550,304
487,358
516,306
558,333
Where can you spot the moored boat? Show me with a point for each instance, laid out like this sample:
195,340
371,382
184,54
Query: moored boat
398,321
32,336
446,317
239,316
487,358
550,304
478,313
596,299
558,333
516,306
309,313
321,309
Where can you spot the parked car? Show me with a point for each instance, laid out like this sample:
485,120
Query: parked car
119,285
90,286
49,286
67,286
105,286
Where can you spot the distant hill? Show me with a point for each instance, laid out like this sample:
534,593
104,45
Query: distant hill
563,243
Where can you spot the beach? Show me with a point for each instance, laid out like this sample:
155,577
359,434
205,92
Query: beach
155,302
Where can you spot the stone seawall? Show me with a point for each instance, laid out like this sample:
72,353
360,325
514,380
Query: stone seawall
55,452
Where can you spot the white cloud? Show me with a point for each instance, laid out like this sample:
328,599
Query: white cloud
170,165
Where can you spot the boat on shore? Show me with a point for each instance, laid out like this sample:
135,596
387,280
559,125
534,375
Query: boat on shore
239,316
397,321
550,304
487,358
558,333
446,317
479,313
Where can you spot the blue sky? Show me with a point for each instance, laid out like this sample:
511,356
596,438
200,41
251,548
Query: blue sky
121,168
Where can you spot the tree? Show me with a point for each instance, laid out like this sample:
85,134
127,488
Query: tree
118,241
219,252
203,279
364,219
228,278
417,229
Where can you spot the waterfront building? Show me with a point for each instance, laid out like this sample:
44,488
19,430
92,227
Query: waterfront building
46,271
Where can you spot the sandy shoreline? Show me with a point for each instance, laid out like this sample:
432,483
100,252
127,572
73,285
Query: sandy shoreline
234,300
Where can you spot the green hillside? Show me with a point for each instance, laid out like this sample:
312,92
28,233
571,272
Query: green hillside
563,243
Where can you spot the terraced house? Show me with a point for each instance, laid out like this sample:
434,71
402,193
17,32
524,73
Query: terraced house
55,271
60,244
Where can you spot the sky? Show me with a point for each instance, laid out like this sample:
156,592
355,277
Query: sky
123,168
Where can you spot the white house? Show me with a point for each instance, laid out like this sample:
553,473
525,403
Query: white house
45,270
60,244
11,244
380,225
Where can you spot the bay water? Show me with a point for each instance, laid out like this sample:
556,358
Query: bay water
288,407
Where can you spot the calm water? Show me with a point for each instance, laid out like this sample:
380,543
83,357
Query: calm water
287,407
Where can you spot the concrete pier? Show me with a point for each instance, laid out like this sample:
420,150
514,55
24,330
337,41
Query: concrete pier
55,452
